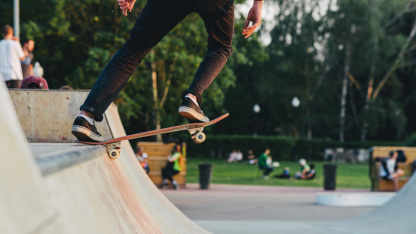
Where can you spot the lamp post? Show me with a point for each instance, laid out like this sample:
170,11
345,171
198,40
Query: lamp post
256,110
16,18
295,103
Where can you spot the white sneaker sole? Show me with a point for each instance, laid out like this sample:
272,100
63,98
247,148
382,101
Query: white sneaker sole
84,133
190,113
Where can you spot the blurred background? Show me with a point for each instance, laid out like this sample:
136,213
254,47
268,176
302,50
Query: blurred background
318,74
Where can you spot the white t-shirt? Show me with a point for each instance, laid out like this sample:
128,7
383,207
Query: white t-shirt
10,54
390,163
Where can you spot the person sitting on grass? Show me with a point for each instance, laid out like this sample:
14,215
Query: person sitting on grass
310,175
264,165
389,171
304,167
284,175
251,158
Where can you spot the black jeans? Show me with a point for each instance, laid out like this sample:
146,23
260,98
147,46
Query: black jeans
267,170
157,18
167,173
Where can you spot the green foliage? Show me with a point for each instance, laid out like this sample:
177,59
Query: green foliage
411,141
222,145
306,58
314,149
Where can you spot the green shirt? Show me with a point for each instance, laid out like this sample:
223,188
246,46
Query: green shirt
176,165
305,167
263,160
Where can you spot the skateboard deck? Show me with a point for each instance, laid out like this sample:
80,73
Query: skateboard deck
195,129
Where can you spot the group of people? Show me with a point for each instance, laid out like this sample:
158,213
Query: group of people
266,164
173,165
235,156
306,172
16,62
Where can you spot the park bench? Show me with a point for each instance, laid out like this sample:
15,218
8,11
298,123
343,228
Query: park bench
377,153
158,155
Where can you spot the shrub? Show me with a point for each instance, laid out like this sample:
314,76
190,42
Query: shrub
220,146
314,149
282,148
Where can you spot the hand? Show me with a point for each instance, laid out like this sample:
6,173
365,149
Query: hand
254,15
126,5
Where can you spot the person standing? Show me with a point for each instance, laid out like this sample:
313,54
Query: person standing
11,53
27,63
156,20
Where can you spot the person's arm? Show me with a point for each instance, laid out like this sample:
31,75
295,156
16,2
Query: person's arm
31,64
254,16
309,175
126,5
174,157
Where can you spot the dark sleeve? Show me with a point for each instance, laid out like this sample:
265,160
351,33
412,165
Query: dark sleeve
384,165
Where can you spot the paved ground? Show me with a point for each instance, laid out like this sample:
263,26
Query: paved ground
234,202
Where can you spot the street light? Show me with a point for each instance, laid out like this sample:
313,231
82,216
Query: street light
16,18
295,104
256,110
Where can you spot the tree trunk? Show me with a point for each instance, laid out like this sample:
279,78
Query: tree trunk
344,91
397,61
156,106
372,96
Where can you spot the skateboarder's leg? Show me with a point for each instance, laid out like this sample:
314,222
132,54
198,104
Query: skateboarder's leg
220,32
154,22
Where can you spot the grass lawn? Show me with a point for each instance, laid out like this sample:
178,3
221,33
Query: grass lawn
349,175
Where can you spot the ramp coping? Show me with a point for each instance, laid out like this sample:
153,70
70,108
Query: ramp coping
55,157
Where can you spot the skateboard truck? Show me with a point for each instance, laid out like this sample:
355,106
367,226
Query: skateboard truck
114,149
197,135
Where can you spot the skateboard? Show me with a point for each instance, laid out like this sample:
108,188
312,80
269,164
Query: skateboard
195,129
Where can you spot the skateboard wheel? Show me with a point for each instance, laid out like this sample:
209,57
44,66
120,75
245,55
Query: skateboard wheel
199,137
114,153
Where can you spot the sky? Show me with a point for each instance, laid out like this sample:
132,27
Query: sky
270,10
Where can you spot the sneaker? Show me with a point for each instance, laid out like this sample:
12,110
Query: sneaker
192,112
164,185
84,131
176,186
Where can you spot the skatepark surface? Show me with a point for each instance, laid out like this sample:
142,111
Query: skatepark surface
271,209
50,185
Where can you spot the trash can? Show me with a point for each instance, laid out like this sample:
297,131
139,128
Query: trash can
204,175
330,172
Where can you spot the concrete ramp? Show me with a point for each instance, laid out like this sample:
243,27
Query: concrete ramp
73,188
398,215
